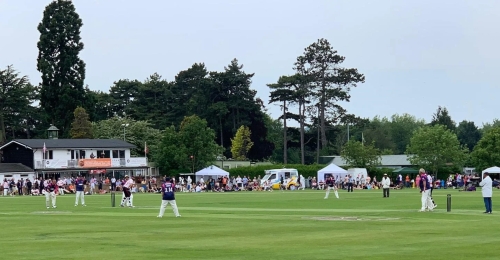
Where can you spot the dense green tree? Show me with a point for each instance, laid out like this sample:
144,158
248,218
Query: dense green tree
435,147
329,82
122,94
488,126
241,143
151,103
402,129
63,72
192,147
81,128
468,134
281,93
16,95
294,90
359,155
487,153
136,132
102,106
378,131
442,117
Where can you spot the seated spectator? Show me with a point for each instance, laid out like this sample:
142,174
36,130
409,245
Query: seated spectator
35,192
256,186
71,188
314,185
198,188
267,187
321,185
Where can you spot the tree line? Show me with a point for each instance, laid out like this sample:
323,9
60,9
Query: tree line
219,109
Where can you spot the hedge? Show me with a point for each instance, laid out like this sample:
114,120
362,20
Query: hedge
305,170
312,170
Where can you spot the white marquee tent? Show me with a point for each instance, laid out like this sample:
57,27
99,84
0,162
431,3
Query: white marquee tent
211,171
333,170
493,169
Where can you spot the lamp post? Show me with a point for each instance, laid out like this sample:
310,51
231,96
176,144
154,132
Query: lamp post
124,126
192,162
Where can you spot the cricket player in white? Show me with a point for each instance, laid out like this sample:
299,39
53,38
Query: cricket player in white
330,182
130,201
425,190
126,191
50,194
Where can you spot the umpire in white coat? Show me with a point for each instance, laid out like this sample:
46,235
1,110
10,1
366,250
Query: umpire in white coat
487,190
386,184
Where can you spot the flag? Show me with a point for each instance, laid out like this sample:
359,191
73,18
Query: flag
146,148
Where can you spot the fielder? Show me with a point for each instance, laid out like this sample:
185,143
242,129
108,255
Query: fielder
168,197
80,188
330,182
50,194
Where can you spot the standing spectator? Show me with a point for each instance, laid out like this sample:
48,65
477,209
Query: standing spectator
19,187
50,194
486,189
113,184
302,182
239,182
60,184
350,183
28,186
99,185
245,182
80,187
168,197
5,187
41,185
386,184
92,186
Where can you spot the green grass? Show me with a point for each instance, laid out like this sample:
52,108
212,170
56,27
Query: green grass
251,225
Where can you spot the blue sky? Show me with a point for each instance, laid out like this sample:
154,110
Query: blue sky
416,55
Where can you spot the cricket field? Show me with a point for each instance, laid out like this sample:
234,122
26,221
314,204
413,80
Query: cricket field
252,225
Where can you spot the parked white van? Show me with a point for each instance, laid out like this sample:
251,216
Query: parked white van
273,176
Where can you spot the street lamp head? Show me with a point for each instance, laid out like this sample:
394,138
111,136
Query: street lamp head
191,157
125,125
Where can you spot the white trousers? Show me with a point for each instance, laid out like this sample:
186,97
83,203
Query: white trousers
61,191
426,200
164,204
328,192
81,196
6,191
130,202
48,197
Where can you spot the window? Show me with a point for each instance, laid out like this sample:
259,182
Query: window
272,177
287,175
119,154
103,154
82,154
75,154
49,155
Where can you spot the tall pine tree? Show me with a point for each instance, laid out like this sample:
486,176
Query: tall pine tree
63,72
